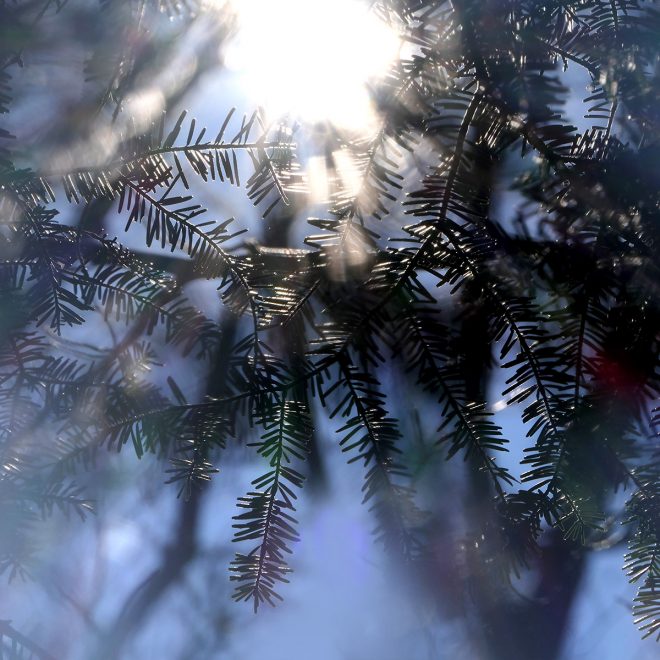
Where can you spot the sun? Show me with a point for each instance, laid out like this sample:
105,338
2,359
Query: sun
311,59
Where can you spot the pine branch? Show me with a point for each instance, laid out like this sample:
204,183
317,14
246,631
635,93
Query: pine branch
266,517
643,557
425,350
371,436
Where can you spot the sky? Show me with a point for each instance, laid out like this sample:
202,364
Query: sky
345,601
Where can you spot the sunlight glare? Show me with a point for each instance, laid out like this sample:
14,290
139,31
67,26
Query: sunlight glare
311,59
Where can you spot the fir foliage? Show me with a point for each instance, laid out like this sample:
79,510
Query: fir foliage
411,275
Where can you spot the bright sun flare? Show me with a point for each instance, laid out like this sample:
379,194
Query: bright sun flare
311,59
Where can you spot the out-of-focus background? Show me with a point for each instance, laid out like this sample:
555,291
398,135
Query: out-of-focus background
146,576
